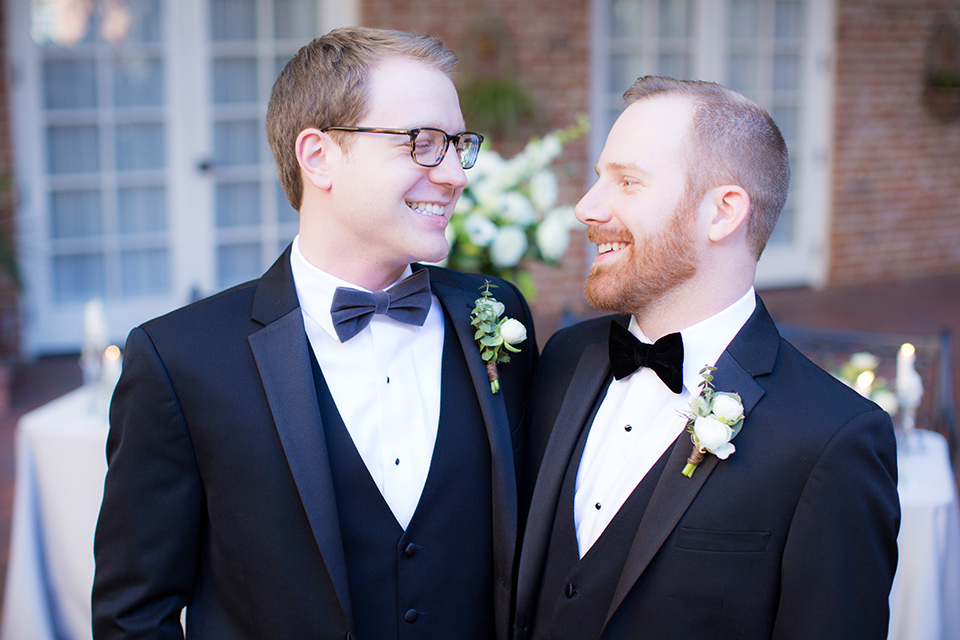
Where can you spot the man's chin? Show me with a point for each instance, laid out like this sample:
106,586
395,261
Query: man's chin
602,292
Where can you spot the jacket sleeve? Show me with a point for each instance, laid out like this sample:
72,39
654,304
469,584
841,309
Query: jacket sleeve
841,550
147,536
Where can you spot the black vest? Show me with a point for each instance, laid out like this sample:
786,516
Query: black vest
575,593
434,580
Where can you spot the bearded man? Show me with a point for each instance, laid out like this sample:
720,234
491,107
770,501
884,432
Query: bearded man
689,473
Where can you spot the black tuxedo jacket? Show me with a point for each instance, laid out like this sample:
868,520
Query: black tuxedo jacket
219,494
794,536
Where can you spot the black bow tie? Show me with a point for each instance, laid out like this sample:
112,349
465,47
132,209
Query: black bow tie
408,301
665,356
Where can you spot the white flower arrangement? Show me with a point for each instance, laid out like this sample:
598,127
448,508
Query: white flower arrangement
509,213
860,373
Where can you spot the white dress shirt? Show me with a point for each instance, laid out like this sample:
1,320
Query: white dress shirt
639,418
385,382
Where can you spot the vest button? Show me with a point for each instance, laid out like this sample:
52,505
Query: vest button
410,550
570,590
411,615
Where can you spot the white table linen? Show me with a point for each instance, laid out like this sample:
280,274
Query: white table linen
925,599
60,468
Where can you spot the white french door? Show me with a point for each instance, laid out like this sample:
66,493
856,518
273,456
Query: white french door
777,52
143,173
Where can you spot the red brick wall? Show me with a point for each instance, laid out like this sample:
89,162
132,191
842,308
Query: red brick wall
896,194
547,45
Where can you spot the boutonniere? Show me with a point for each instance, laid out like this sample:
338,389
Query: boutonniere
496,334
714,420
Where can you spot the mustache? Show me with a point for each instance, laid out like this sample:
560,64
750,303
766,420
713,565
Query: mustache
596,236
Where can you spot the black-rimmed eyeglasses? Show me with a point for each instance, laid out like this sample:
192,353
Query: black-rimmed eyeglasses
428,146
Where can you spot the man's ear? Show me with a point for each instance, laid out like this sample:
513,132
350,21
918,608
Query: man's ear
313,154
731,204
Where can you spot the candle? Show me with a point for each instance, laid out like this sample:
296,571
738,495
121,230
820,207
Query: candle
111,366
909,384
864,383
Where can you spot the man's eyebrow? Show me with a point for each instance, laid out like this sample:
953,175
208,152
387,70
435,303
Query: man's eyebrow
621,166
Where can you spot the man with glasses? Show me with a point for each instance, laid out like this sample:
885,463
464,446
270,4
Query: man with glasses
318,453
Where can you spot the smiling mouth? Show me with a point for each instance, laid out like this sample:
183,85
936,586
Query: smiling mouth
608,247
427,208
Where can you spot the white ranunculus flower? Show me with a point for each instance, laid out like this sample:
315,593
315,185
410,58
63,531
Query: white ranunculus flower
480,230
543,190
727,407
513,332
553,236
495,305
517,209
714,436
508,247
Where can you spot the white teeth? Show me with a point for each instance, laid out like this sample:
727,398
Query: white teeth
606,247
426,208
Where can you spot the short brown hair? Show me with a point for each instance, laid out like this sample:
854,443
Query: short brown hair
326,85
733,141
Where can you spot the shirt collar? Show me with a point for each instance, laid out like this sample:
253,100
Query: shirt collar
705,341
315,288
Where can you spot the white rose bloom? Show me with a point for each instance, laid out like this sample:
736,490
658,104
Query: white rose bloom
489,163
517,209
714,436
551,147
543,190
508,247
887,400
465,204
487,195
513,332
480,230
727,408
864,360
553,236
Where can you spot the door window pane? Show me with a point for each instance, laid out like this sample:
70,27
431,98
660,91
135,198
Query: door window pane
237,142
233,20
70,84
295,20
238,205
145,21
76,214
144,272
73,149
140,146
138,82
77,278
235,80
142,210
237,263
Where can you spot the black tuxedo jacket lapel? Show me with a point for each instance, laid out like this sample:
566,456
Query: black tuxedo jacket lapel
751,354
281,351
587,383
458,303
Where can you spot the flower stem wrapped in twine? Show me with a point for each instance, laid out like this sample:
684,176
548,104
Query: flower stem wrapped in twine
493,376
693,461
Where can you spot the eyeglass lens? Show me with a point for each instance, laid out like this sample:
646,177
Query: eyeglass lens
431,145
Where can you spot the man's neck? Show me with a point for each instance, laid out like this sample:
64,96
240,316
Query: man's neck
678,310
